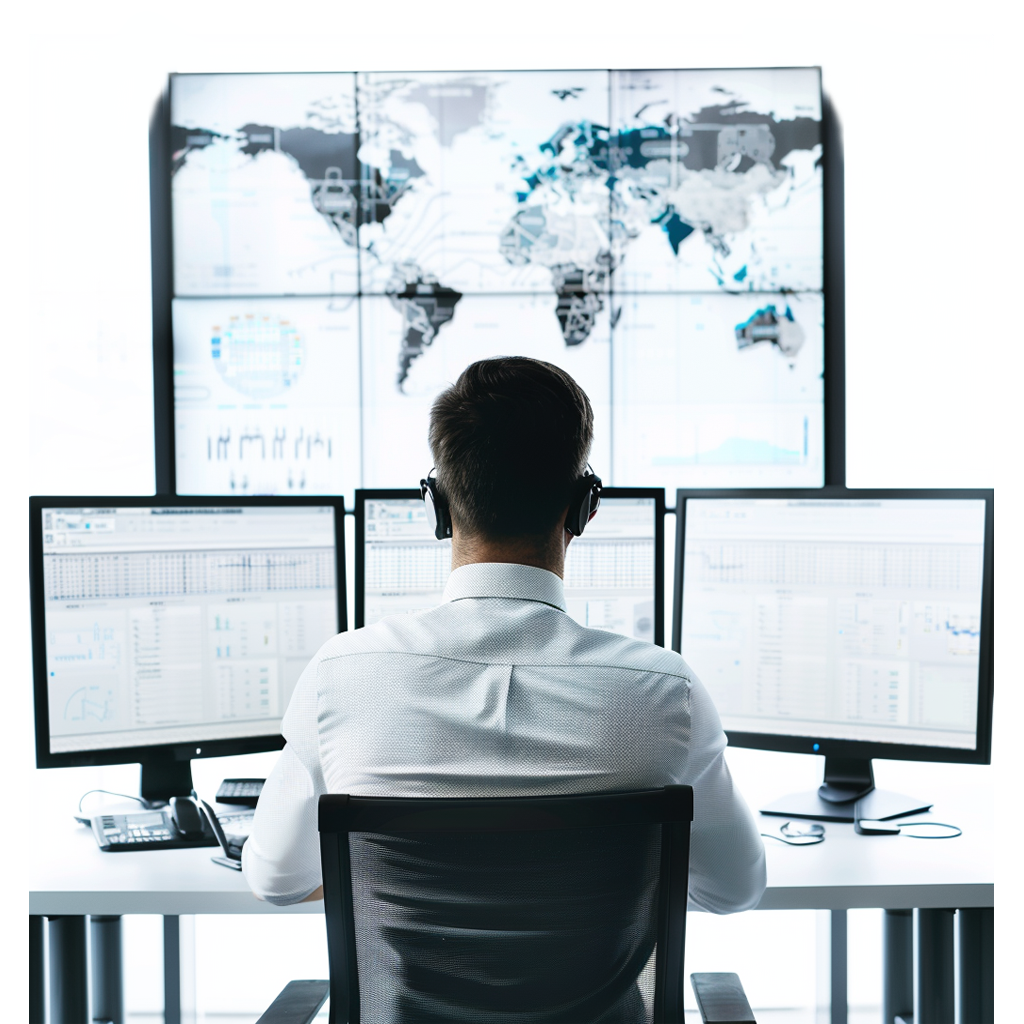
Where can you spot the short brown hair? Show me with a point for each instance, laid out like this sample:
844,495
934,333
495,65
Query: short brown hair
510,439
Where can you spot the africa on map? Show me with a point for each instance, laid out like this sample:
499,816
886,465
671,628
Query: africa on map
560,214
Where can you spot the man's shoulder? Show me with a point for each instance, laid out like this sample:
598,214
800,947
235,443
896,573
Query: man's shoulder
388,636
614,650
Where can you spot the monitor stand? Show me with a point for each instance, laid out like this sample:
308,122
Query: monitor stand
848,792
164,776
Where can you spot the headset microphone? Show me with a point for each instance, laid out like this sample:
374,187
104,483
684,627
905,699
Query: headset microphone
437,508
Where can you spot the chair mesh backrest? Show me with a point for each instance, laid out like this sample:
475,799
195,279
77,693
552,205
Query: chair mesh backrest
513,926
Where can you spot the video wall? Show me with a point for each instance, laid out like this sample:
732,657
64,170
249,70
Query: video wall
345,244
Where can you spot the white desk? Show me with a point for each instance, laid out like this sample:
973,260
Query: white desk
69,874
71,878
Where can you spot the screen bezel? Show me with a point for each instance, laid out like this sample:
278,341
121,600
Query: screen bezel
833,274
409,493
45,758
858,749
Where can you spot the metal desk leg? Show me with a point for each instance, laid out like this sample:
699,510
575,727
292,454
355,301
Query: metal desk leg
977,952
107,982
36,971
838,964
69,987
934,1002
172,971
897,965
179,970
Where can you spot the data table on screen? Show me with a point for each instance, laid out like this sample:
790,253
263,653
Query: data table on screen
181,624
610,571
846,619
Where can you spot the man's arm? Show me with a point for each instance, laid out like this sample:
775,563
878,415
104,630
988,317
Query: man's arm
727,862
281,858
314,897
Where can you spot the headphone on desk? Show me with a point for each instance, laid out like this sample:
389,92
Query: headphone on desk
586,499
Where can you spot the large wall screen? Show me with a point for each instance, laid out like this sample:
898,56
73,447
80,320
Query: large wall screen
344,244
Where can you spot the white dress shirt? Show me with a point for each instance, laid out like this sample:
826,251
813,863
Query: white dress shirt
498,692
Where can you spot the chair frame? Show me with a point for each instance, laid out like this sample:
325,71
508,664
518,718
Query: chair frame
341,814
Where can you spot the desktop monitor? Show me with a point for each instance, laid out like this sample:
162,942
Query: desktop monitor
614,572
166,628
849,623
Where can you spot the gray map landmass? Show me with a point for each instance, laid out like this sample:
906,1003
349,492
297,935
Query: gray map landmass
456,106
726,140
426,306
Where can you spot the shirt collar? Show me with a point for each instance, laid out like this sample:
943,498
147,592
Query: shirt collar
505,579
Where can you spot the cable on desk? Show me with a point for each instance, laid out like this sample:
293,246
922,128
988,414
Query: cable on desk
798,833
956,830
795,841
110,792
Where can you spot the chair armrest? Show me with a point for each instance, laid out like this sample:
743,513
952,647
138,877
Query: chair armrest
721,999
298,1003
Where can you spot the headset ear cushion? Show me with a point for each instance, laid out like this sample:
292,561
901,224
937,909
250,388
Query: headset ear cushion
585,500
437,509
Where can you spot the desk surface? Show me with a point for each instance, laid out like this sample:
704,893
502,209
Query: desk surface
70,875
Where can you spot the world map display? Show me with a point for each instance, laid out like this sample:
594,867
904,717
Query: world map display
344,244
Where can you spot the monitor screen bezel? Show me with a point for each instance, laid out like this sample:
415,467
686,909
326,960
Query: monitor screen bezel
657,493
833,287
859,749
45,758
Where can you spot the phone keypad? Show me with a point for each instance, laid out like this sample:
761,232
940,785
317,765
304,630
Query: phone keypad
141,835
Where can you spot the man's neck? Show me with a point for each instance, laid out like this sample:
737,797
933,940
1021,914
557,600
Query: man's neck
545,553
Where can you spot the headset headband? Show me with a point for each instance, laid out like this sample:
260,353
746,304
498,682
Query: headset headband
586,499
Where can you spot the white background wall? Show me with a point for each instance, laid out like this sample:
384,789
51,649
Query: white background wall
933,169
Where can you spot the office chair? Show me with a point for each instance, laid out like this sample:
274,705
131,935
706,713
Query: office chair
533,910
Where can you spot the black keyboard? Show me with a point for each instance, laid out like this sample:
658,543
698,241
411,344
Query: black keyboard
244,792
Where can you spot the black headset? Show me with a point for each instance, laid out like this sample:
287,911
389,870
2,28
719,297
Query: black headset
586,499
437,508
585,502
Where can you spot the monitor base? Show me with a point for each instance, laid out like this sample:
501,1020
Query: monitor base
163,776
878,805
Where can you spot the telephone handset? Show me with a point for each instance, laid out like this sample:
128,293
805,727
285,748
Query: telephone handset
232,846
182,825
187,818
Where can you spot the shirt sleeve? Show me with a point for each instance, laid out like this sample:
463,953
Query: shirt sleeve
281,857
727,861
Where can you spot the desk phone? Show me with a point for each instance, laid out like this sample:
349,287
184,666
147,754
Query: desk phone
144,830
165,829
